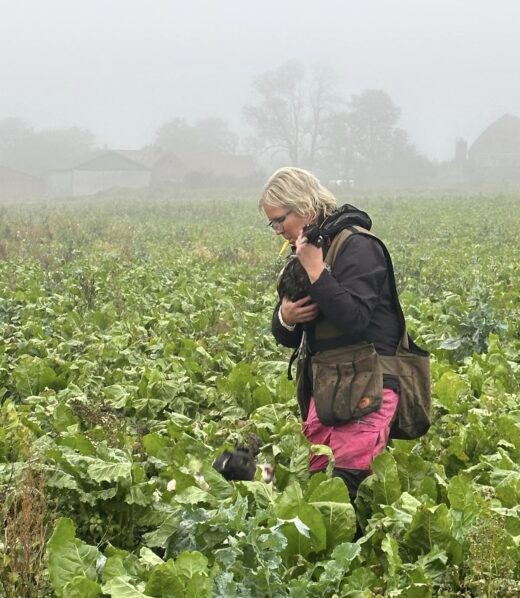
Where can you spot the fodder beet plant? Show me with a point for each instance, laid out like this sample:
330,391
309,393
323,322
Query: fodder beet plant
135,346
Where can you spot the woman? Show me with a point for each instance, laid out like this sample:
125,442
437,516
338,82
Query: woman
355,297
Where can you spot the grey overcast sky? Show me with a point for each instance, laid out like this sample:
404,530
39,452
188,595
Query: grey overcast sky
121,68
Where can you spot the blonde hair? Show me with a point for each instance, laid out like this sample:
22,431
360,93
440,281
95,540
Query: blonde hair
298,190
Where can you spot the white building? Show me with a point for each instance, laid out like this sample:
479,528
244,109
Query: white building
105,171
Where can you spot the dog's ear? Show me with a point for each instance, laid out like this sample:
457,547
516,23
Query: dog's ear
254,445
221,463
237,465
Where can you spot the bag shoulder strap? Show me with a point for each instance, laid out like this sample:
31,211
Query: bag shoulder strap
338,243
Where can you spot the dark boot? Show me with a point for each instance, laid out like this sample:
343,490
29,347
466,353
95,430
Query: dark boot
352,479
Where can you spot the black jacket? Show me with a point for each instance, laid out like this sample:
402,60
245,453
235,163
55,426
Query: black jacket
356,295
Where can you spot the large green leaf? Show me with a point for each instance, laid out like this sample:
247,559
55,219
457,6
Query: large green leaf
387,487
331,498
69,557
512,518
390,547
338,566
114,567
359,584
464,504
81,587
123,587
302,524
32,375
165,582
102,471
415,472
188,575
430,528
159,537
118,396
60,479
401,512
78,442
507,486
220,488
189,564
449,389
149,558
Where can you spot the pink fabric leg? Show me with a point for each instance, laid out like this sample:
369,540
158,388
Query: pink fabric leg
356,443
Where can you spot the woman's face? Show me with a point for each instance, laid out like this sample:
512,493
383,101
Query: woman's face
286,222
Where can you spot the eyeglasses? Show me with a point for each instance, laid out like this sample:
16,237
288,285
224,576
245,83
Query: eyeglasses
277,223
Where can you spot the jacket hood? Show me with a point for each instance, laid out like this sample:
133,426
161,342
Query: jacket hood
345,216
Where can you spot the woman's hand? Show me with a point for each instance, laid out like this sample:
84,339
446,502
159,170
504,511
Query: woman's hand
298,312
310,256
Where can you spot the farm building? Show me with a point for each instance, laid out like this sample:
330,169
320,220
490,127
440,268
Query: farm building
495,154
166,167
107,170
16,184
203,168
192,168
149,168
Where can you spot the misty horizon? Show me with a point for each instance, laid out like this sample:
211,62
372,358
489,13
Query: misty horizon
121,70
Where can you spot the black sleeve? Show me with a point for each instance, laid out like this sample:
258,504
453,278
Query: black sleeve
348,295
282,335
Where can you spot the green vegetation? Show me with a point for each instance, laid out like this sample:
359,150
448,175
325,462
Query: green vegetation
135,345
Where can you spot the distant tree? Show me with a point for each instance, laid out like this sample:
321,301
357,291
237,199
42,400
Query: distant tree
373,130
15,133
176,134
291,110
408,166
365,143
324,102
36,152
209,134
215,134
337,158
59,148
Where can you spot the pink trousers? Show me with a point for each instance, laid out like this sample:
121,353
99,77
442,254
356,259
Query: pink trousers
356,443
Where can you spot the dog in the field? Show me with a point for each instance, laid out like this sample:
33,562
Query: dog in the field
293,281
240,464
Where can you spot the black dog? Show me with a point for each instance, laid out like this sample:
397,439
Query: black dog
237,465
293,281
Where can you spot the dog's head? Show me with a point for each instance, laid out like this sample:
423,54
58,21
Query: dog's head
236,465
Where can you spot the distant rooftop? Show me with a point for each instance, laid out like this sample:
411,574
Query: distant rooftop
110,160
501,137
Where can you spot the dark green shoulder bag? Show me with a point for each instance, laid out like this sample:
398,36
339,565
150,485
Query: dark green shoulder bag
348,380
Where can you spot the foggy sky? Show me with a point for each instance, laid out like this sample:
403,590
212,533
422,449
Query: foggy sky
121,68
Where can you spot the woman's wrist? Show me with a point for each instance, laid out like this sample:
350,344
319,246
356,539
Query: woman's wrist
289,327
315,273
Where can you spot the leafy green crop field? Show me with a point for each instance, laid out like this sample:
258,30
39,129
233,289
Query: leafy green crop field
135,346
